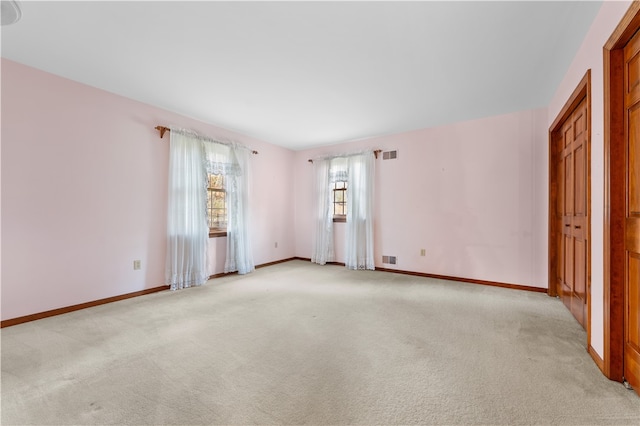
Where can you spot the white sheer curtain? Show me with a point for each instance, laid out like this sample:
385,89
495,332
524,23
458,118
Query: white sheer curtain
358,171
239,253
323,250
359,235
232,161
187,228
191,157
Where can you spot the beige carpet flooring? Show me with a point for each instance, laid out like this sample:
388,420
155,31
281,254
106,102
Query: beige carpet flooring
298,343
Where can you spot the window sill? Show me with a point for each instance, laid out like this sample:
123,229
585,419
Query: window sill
216,234
339,219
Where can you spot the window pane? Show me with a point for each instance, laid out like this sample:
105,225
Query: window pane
340,198
219,199
216,181
216,202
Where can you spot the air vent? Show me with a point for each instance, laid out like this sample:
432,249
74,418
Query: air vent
389,155
390,260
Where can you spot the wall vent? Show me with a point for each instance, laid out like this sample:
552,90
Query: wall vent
390,260
390,155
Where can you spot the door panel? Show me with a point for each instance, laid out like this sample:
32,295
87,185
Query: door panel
632,212
567,284
634,296
567,212
580,182
580,280
634,162
632,322
573,200
559,208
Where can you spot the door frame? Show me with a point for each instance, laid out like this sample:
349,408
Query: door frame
582,91
614,192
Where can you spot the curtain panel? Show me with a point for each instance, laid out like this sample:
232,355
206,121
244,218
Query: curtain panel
323,250
191,158
239,253
359,235
232,161
187,228
358,171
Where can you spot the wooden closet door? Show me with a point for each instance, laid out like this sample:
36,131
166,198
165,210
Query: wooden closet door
632,214
574,207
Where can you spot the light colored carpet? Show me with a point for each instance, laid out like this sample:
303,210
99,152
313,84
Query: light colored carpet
298,343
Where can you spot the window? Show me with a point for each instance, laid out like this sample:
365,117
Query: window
217,206
340,201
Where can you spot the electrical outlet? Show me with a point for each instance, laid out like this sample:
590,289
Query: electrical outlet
423,252
137,264
276,244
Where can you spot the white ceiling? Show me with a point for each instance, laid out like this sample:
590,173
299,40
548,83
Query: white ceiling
305,74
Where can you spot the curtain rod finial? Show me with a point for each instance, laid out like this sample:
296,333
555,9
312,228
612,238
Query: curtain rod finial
162,130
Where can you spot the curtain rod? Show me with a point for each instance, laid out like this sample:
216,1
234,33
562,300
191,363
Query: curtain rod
376,152
163,130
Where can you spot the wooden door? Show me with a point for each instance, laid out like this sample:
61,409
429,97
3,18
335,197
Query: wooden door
573,207
632,213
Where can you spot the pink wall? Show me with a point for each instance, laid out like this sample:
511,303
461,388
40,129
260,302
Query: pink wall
471,194
589,56
84,193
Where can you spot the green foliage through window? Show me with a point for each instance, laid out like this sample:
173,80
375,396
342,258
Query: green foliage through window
217,203
340,199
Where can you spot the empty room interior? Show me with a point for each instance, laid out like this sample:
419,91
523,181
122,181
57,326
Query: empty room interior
422,212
